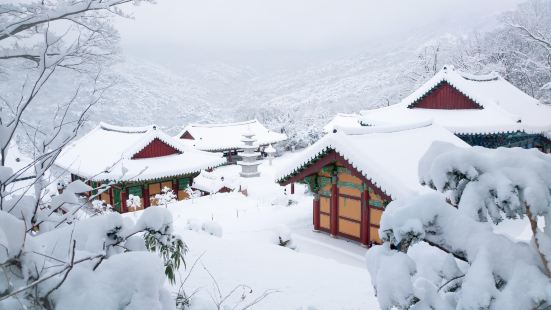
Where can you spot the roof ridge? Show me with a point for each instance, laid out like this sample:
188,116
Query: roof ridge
383,128
492,76
224,124
347,114
125,129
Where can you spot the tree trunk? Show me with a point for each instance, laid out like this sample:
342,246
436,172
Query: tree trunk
534,226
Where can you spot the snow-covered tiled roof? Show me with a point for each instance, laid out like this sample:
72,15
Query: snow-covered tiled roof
217,137
505,108
21,165
387,155
106,152
212,182
270,149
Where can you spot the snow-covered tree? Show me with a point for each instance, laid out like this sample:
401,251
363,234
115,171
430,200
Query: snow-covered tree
447,254
45,254
519,49
530,26
166,197
100,206
133,202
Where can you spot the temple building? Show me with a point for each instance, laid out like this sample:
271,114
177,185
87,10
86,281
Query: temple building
227,137
137,161
355,172
483,110
209,183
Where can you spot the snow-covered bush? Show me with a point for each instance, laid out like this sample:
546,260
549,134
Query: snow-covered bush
44,268
166,197
100,206
133,202
283,237
212,228
482,269
194,224
284,201
159,238
192,194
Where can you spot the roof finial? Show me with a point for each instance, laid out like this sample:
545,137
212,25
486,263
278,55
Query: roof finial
448,67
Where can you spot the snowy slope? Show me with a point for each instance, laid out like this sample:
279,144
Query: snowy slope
146,93
305,100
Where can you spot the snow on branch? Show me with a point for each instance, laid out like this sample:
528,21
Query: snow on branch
455,260
490,184
45,250
17,18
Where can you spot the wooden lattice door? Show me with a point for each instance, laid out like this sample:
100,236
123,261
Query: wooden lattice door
350,216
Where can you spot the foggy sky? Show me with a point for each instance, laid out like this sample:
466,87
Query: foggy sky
176,29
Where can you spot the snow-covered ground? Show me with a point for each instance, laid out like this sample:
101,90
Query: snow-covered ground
322,273
238,247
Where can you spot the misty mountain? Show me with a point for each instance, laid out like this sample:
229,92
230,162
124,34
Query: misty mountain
299,102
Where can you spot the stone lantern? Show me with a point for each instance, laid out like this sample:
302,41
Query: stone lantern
270,151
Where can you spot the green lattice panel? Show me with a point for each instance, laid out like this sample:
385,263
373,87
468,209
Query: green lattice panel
135,190
183,183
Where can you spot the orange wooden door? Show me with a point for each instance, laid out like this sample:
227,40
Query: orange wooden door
350,216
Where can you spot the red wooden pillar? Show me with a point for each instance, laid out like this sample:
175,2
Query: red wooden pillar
124,197
364,238
229,156
110,191
145,194
316,211
175,187
334,205
89,183
292,188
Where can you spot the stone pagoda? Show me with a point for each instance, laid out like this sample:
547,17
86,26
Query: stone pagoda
249,163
